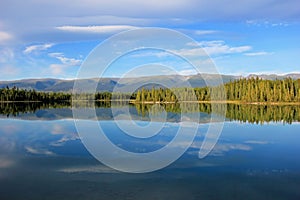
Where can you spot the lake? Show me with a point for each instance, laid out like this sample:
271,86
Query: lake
255,157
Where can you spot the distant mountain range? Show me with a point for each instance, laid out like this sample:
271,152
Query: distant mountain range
108,84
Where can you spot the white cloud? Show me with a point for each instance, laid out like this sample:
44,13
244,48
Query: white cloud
266,23
159,54
204,48
205,32
260,53
212,48
219,47
59,69
64,60
39,20
4,37
95,29
50,21
279,24
192,44
34,48
191,52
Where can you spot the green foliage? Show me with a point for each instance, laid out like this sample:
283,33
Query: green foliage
242,90
156,95
258,90
104,96
16,94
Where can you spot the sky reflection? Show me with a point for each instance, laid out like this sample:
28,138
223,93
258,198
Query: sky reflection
47,156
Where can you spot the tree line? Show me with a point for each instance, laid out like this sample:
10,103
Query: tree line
242,90
258,90
15,94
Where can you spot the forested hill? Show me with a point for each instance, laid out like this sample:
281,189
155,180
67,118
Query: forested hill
108,84
243,90
251,90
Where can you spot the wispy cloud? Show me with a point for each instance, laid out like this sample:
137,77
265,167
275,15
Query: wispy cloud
64,60
4,37
266,23
95,29
40,25
205,32
59,69
213,48
220,47
260,53
36,48
98,19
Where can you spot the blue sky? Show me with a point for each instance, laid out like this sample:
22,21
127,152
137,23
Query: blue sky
53,38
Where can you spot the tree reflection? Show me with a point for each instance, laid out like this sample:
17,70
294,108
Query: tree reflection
257,114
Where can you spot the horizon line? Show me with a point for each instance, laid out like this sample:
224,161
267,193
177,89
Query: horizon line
185,75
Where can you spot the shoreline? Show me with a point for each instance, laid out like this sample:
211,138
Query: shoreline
169,102
219,102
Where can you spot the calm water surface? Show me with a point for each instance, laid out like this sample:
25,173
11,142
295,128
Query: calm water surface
42,157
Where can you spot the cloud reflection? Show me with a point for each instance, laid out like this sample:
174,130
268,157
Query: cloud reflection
6,162
38,151
256,142
89,169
